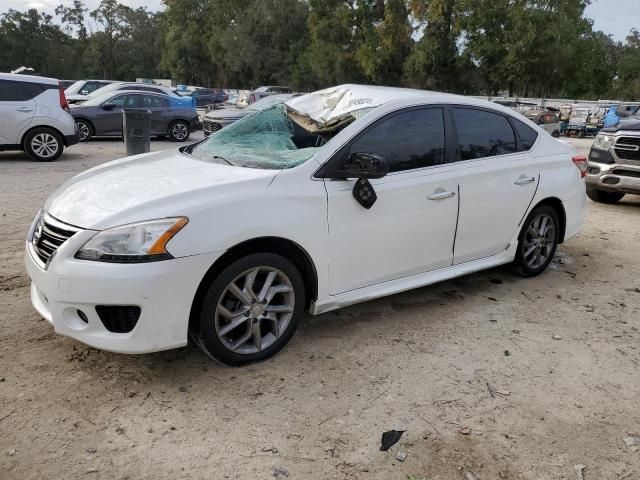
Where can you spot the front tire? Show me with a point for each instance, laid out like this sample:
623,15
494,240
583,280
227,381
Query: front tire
252,309
602,196
43,144
179,131
537,242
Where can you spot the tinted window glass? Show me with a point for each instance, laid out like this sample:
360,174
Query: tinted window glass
408,140
483,134
133,101
118,101
155,102
527,134
18,91
92,86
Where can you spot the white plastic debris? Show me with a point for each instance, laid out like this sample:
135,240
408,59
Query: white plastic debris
401,456
579,471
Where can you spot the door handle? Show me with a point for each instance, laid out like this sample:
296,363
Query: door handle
441,195
24,109
524,181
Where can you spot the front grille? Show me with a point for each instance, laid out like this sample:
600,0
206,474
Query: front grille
628,148
210,126
118,318
48,235
626,173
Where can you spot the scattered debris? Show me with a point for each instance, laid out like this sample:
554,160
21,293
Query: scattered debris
91,450
91,470
390,438
270,449
507,353
401,456
11,452
589,308
469,476
464,430
182,388
279,472
493,299
556,337
634,290
579,469
632,443
504,393
515,330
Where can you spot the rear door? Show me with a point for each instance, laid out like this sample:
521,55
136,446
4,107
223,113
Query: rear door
498,178
17,109
159,108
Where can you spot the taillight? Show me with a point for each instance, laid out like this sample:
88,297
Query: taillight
581,163
252,98
63,98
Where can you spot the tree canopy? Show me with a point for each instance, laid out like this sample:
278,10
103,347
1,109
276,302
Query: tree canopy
523,47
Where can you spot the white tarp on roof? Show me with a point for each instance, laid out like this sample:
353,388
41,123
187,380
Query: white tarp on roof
329,106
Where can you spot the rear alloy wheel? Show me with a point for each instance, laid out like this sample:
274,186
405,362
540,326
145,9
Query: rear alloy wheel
252,309
43,144
84,130
538,242
602,196
179,131
556,134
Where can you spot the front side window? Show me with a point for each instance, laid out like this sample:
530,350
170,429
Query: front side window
117,101
483,134
407,140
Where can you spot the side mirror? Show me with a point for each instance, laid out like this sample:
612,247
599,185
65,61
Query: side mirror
364,166
108,106
84,92
623,111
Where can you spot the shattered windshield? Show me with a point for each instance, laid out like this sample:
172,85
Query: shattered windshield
266,139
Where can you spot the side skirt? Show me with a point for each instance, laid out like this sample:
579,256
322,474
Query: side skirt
415,281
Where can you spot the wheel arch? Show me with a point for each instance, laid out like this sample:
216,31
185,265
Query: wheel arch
279,245
557,205
85,119
49,127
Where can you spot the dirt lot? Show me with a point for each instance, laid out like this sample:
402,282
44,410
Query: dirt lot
544,373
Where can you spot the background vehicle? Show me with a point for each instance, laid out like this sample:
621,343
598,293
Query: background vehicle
102,116
614,162
583,122
208,96
548,120
34,116
143,87
66,83
616,113
216,119
260,92
318,203
80,89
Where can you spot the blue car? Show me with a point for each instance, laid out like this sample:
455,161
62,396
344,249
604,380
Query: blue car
208,96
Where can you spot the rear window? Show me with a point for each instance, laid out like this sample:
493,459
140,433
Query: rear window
483,134
527,134
11,91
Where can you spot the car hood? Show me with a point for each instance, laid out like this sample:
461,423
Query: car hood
147,186
228,113
631,123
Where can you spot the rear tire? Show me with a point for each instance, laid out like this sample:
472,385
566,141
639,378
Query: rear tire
243,321
602,196
556,134
43,144
581,134
85,130
537,242
179,131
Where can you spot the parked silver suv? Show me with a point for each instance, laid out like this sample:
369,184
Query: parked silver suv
614,162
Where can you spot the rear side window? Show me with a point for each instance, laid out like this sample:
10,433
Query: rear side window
11,91
155,102
133,101
483,134
527,134
407,140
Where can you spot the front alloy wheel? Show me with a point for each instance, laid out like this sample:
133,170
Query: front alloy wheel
252,309
179,131
538,241
43,144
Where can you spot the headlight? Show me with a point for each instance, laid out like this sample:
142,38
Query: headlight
134,243
602,141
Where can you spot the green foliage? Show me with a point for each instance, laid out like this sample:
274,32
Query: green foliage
525,47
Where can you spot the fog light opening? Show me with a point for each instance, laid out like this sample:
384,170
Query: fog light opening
83,316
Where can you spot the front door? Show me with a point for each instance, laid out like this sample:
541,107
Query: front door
498,178
411,227
17,108
108,119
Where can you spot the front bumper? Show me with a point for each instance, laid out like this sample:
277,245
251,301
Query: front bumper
163,290
613,177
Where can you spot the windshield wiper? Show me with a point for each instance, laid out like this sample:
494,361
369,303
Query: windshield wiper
218,157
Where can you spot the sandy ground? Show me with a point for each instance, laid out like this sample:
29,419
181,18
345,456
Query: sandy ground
543,372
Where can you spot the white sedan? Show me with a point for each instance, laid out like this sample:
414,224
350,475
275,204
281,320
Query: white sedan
332,198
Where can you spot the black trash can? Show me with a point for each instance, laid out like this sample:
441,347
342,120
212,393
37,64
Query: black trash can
136,130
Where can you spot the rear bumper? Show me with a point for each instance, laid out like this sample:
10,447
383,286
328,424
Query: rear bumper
71,139
194,124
